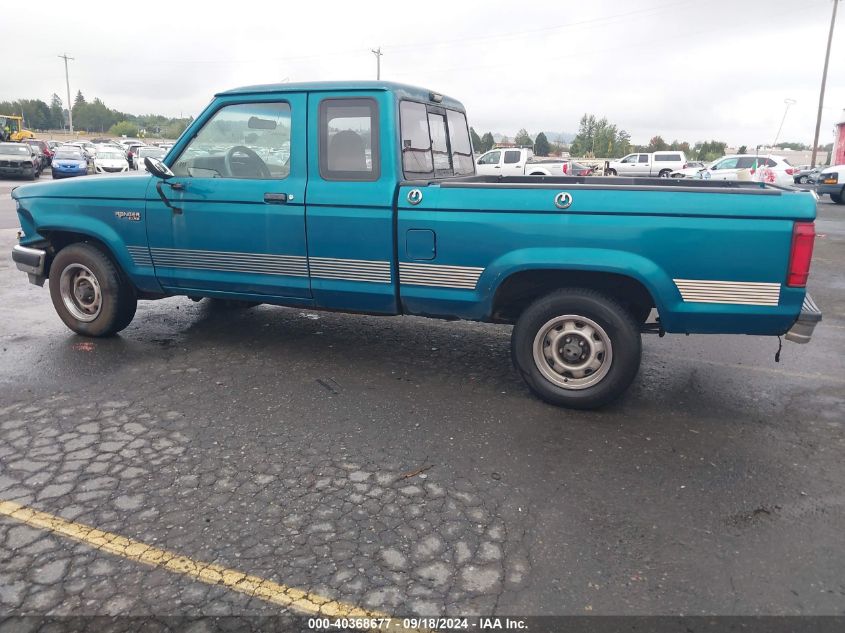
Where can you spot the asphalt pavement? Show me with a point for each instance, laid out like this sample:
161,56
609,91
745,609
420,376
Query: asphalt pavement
400,464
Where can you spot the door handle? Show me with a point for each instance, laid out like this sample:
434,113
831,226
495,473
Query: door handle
496,167
176,210
276,198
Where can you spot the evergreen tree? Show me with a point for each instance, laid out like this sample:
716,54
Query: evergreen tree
522,138
57,114
476,140
541,145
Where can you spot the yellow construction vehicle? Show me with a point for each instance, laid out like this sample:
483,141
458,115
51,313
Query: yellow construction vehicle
12,129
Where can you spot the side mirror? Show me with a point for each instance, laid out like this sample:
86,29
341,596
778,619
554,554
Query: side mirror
157,168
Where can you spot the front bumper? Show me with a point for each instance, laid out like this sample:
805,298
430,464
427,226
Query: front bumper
31,261
802,330
828,189
17,171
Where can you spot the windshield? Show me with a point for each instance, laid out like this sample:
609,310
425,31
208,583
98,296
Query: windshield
108,155
14,150
154,152
68,154
435,142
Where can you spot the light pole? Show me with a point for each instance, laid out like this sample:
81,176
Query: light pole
788,102
377,52
69,104
824,81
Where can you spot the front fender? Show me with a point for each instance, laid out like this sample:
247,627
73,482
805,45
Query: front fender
98,219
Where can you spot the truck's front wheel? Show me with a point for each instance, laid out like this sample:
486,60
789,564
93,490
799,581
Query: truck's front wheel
89,293
576,348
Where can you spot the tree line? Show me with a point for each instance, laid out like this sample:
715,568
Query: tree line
92,117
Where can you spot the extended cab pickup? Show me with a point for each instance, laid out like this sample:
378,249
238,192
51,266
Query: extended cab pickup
519,161
363,197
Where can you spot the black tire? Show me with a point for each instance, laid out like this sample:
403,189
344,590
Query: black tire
610,172
615,323
838,198
664,173
117,297
802,180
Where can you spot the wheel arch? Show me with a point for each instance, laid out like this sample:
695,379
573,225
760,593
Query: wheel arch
59,238
519,287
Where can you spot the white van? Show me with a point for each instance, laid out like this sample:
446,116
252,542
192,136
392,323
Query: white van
655,164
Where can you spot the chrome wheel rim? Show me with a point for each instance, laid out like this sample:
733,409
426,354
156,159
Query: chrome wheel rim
573,352
80,292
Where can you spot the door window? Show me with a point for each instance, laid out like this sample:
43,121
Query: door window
512,156
490,159
244,140
630,159
349,139
643,158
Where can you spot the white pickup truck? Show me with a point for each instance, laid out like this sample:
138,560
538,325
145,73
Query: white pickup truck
520,162
655,164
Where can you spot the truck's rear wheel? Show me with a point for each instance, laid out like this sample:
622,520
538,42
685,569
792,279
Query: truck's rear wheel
576,348
665,173
89,293
838,198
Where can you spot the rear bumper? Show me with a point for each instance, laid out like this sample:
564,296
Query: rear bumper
31,261
802,330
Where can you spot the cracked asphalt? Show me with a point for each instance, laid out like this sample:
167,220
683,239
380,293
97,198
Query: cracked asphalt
399,464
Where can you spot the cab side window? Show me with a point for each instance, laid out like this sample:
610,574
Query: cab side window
349,139
512,156
643,158
244,140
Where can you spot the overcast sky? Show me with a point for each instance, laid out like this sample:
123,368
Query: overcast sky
685,69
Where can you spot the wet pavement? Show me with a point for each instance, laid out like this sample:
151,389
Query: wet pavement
400,464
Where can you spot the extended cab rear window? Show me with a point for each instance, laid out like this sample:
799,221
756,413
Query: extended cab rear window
435,141
349,139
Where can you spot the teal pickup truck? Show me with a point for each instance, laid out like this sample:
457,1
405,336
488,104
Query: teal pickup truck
362,197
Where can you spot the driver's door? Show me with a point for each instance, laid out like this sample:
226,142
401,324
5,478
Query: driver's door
239,193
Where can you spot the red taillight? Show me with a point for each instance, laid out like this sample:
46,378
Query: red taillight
801,254
790,171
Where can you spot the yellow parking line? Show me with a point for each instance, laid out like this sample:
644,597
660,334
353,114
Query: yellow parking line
253,586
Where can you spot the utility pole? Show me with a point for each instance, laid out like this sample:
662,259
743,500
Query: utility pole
824,81
377,52
69,104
